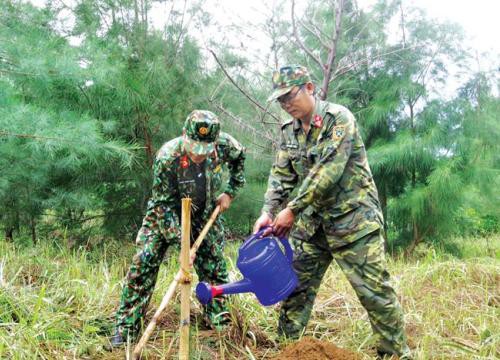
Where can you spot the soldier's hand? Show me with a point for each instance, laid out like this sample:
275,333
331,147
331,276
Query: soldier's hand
283,222
224,200
262,221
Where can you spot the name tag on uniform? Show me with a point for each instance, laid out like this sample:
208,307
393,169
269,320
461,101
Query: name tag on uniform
186,181
292,146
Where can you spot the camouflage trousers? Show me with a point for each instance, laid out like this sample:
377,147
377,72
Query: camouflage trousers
363,263
154,241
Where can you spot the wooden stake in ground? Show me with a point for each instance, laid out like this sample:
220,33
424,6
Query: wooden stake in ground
171,289
185,280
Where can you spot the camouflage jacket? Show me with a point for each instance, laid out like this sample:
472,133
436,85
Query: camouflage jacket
173,179
329,169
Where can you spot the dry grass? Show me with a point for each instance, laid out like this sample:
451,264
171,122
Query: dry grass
57,304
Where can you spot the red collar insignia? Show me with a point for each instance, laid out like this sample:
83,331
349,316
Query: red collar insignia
184,162
318,121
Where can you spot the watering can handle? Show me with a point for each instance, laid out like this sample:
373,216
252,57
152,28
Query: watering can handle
283,240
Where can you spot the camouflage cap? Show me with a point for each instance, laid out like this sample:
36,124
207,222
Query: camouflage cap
286,78
201,130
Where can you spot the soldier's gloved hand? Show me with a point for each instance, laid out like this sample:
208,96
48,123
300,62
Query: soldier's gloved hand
283,222
263,221
224,200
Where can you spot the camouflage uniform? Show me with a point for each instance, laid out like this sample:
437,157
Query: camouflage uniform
176,177
338,215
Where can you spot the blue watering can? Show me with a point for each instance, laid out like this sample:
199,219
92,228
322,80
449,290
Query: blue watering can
267,272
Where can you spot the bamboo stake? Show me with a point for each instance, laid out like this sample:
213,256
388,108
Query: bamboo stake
172,287
185,281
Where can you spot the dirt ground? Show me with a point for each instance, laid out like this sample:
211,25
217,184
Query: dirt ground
305,349
312,349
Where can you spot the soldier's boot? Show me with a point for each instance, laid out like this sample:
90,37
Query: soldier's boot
114,342
382,355
216,314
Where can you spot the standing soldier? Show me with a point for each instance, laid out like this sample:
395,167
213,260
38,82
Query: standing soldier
188,166
336,210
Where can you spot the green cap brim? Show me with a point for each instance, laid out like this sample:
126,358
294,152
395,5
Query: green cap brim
280,92
198,147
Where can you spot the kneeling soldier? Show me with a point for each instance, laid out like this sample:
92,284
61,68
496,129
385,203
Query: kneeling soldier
188,166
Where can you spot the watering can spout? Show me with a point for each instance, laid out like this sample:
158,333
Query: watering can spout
206,292
267,271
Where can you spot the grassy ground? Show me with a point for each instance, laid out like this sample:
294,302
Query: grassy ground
59,304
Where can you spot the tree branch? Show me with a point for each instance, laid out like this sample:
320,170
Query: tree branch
321,32
332,55
246,126
301,44
216,90
30,136
315,34
86,96
345,69
252,100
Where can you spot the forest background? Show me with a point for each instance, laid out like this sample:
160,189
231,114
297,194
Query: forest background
90,90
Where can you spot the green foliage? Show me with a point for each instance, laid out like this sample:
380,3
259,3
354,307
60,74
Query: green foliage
53,152
80,124
76,117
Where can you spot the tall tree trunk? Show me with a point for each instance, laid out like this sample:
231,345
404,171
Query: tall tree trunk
332,53
328,66
136,13
33,230
9,231
383,203
416,240
145,9
413,132
403,24
148,142
416,236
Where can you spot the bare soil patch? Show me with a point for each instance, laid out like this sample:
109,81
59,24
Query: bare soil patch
312,349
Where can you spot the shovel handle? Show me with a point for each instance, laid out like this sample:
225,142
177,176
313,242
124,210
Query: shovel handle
204,231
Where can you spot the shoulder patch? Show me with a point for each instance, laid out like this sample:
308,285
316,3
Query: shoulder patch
338,132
